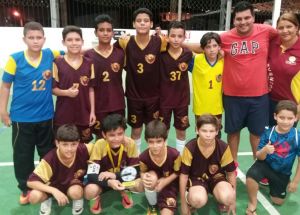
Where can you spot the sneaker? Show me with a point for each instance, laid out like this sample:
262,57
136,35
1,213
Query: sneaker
77,207
95,205
223,208
46,207
264,182
24,198
152,210
127,201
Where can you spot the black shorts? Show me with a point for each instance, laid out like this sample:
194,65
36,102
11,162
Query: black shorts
278,182
250,112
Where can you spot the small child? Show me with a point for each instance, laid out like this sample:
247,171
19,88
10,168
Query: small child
207,70
31,111
110,156
275,154
159,166
208,165
73,85
60,173
174,83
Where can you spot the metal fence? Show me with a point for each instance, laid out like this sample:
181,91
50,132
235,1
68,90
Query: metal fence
197,14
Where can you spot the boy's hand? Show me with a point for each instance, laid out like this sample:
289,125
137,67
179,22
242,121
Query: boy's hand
269,148
106,175
292,187
60,197
92,119
115,184
73,91
5,118
148,180
160,185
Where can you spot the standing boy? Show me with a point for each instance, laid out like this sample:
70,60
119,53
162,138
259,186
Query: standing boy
160,166
31,111
207,70
207,167
73,85
174,83
108,62
60,173
112,153
276,153
142,77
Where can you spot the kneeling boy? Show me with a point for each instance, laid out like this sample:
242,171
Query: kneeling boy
60,173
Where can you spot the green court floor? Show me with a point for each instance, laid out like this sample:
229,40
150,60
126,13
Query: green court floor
111,201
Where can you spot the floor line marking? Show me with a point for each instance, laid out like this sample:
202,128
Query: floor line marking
2,129
260,197
12,163
245,153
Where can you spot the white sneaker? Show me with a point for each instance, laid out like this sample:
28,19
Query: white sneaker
77,207
46,207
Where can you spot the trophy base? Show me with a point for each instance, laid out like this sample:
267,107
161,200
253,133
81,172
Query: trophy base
128,184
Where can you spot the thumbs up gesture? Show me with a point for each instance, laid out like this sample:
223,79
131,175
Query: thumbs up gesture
269,148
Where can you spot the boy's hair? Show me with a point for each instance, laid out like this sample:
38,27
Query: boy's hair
242,6
156,129
175,25
157,26
32,26
207,37
102,18
112,122
286,105
290,17
142,10
207,119
67,133
71,28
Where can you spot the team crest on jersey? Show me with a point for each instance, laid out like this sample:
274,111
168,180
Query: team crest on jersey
171,202
182,66
213,169
86,133
150,58
219,78
79,173
156,115
47,75
84,80
291,60
115,67
185,121
166,174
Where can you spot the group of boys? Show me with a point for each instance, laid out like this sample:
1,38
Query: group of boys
90,96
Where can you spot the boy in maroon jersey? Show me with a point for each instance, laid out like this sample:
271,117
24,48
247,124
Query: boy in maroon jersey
60,173
108,62
159,166
73,85
142,77
174,83
207,166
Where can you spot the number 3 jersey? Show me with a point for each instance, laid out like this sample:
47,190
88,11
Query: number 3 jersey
32,86
174,79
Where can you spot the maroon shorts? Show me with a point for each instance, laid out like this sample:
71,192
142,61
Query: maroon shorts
209,184
181,118
142,111
85,133
167,198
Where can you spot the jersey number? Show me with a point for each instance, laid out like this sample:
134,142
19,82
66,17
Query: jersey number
140,68
41,86
175,75
210,85
105,75
97,125
133,118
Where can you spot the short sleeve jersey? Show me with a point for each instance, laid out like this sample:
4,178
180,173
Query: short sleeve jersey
170,165
286,149
32,86
113,160
109,92
245,61
197,166
73,110
284,71
53,172
174,79
207,85
142,67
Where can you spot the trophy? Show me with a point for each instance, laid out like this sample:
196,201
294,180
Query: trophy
128,175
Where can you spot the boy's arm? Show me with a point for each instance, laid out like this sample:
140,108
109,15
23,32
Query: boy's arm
293,185
92,102
267,149
61,198
183,179
164,181
194,47
4,95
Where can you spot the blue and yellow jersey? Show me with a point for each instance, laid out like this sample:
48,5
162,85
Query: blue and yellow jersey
32,86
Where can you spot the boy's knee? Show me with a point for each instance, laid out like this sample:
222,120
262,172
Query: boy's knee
91,191
75,192
196,200
277,201
36,196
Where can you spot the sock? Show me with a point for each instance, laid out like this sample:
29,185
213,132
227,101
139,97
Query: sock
138,143
151,196
180,145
